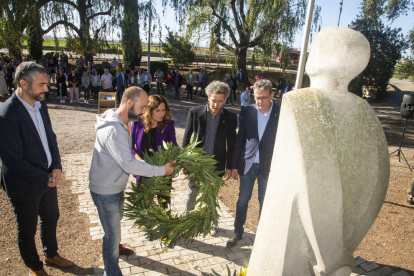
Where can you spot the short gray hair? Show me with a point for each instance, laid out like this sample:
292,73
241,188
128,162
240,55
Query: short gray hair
218,87
263,85
27,71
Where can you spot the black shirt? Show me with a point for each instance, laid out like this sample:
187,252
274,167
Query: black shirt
148,141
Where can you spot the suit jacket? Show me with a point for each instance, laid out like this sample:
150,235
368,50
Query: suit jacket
121,81
149,80
180,80
225,136
166,134
247,141
25,170
190,81
133,83
8,75
240,77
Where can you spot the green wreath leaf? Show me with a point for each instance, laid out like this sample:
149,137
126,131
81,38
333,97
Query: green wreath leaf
143,208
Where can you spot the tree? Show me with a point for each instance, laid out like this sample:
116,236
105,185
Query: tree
178,49
35,36
131,42
406,67
387,44
95,19
240,25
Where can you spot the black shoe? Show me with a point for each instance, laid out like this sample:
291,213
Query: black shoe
125,251
233,241
410,201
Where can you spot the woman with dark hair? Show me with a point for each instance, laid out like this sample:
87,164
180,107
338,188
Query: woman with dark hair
95,81
155,127
73,80
61,86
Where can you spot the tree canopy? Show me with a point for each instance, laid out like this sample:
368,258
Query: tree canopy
243,24
178,49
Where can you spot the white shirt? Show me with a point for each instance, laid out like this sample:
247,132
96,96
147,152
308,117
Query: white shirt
38,122
262,120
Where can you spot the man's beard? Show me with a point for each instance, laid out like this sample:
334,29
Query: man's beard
35,97
132,116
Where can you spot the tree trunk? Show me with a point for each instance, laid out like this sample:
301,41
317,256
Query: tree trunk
35,36
131,41
241,57
84,35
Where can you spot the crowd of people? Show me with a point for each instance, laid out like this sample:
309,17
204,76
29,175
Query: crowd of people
89,79
30,178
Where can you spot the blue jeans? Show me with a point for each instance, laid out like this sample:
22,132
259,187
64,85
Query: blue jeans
177,92
110,209
169,88
246,190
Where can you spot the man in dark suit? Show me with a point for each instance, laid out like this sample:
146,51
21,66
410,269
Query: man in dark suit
31,167
253,151
177,83
121,83
215,127
8,76
240,80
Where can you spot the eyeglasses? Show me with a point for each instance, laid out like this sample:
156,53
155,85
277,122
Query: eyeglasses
261,98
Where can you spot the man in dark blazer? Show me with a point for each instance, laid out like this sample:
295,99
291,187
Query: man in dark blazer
253,151
121,84
215,127
8,76
31,167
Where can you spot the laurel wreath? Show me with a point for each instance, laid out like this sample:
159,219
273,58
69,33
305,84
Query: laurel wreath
145,210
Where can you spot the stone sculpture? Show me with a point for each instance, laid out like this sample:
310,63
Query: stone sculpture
330,168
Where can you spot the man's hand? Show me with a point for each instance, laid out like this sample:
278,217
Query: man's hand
235,174
227,174
168,169
56,177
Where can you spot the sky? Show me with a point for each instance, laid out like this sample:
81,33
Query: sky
329,14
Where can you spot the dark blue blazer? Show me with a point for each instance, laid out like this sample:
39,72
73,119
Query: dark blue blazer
24,170
247,141
119,82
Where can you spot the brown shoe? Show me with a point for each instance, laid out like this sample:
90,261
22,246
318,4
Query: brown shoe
57,260
41,272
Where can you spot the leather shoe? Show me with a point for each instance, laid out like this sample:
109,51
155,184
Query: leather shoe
57,260
125,251
233,241
41,272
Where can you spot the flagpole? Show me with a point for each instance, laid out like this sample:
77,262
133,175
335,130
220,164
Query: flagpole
304,49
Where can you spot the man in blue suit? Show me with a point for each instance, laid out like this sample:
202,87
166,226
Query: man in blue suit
121,83
31,167
240,80
253,151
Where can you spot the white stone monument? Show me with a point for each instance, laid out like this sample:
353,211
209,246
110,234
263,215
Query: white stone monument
330,168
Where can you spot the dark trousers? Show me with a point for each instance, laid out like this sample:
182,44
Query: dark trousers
120,93
86,92
177,92
189,92
95,93
199,84
158,88
27,209
9,84
147,88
